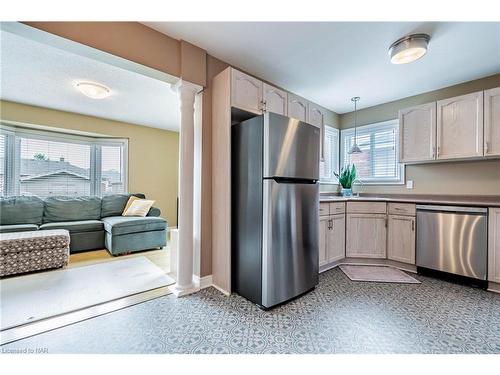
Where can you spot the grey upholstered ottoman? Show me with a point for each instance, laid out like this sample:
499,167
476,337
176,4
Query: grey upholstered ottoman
32,251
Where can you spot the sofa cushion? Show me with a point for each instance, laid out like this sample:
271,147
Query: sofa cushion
75,226
59,209
114,204
21,210
17,228
128,224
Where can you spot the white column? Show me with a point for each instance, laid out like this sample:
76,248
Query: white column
184,284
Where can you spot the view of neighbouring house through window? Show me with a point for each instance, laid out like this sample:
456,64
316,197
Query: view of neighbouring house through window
48,165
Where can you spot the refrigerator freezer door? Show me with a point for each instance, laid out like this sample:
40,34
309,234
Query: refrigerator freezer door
291,148
290,240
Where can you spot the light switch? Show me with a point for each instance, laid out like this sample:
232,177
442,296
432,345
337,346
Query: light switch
409,184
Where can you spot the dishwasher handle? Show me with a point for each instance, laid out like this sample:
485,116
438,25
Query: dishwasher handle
471,210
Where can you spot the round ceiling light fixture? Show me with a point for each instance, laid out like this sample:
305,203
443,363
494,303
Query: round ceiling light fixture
409,48
93,90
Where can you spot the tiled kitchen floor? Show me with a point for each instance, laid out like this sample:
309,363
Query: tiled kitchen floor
340,316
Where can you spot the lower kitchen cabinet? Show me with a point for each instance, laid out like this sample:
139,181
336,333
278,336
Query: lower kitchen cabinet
336,239
401,238
366,235
494,245
323,229
331,238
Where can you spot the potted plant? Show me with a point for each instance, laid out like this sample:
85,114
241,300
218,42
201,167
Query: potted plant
346,178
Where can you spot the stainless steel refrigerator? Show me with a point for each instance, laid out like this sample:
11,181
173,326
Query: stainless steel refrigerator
275,201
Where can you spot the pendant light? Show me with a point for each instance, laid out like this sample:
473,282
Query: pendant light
355,148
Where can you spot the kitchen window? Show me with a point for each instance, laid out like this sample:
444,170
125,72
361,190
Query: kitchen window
378,163
46,164
330,163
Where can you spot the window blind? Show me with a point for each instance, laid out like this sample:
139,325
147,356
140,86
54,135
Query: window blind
378,162
330,163
112,170
47,164
2,164
48,168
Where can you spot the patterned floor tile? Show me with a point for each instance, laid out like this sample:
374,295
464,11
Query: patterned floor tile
339,316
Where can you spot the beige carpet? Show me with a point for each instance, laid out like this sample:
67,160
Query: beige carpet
381,274
29,298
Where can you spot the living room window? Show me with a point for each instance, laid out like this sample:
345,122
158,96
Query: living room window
378,162
48,164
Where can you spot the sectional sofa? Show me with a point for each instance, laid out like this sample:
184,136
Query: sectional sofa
92,222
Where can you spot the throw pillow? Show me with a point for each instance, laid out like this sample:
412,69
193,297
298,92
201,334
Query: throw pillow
129,202
139,207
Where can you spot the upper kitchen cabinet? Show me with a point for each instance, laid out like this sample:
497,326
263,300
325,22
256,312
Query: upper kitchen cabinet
315,115
417,133
492,122
460,127
297,107
246,92
274,100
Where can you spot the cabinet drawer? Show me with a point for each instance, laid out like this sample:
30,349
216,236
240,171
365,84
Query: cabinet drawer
337,208
402,209
324,209
367,207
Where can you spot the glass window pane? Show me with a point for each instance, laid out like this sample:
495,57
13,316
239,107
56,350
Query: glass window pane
49,168
2,164
112,176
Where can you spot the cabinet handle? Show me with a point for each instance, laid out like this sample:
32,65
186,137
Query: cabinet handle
385,221
263,105
433,152
413,225
438,149
487,147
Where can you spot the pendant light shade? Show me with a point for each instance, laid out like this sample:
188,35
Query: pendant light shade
355,148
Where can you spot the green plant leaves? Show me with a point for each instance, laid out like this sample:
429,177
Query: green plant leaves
346,176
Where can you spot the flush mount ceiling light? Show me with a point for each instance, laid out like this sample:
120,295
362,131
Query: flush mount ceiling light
409,48
93,90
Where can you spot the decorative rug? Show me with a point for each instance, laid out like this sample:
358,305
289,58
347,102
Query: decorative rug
30,298
381,274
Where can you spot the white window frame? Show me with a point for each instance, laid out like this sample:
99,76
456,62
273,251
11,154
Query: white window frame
333,180
11,183
401,179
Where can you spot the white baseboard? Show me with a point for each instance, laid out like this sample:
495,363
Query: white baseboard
202,282
223,291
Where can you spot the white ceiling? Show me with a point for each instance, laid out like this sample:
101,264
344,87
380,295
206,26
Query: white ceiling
43,75
329,63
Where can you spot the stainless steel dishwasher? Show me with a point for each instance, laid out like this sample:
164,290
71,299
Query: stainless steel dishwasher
453,239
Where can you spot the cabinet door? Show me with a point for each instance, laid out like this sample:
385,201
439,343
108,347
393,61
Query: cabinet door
401,239
492,122
460,127
494,245
275,100
335,249
297,107
246,92
315,115
366,236
417,133
323,229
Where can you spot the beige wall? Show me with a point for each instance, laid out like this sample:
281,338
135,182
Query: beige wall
477,177
153,154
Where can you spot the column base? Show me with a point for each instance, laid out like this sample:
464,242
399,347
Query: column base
180,292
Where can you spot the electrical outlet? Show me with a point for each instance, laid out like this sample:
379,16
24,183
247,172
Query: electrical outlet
409,184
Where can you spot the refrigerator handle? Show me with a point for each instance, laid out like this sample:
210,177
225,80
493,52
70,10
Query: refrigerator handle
293,180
